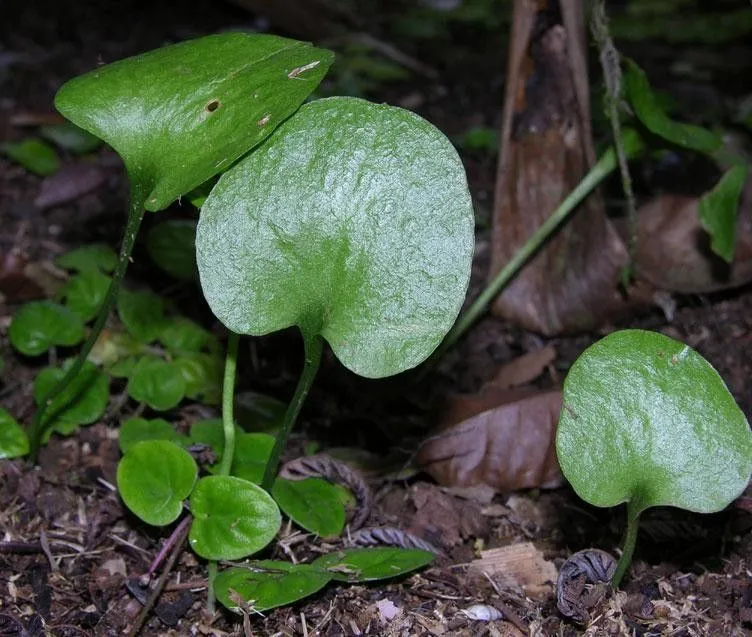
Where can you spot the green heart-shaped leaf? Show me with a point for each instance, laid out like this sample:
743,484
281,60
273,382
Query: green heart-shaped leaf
183,113
157,383
34,155
268,584
209,432
649,111
154,478
96,256
647,420
314,504
353,221
232,518
135,430
364,565
13,439
82,402
202,374
181,335
718,210
258,412
40,325
142,313
172,246
85,292
252,450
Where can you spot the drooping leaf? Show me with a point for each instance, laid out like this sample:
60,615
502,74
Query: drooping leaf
156,382
314,504
135,430
142,313
13,439
180,335
202,374
268,584
181,114
34,155
95,256
353,222
70,137
232,518
258,412
172,246
718,211
647,420
85,292
39,325
651,114
154,478
82,402
364,565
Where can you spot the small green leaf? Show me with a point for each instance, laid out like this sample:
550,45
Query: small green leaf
96,256
258,412
209,432
82,402
85,292
647,420
364,565
313,504
13,439
650,113
157,383
718,210
34,155
180,335
252,451
154,478
268,584
172,246
142,313
135,430
353,221
232,518
71,138
202,374
180,114
39,325
124,367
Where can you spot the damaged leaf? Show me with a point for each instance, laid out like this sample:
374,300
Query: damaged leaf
718,210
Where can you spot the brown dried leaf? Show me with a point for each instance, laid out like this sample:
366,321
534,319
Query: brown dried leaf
521,564
524,369
15,285
68,184
503,439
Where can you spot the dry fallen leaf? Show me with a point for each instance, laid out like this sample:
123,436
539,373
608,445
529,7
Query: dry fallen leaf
519,564
68,184
524,369
501,438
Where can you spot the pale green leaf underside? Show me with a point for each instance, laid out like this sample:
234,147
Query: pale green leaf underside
353,221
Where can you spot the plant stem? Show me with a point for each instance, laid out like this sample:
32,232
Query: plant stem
314,346
210,595
135,216
630,540
228,397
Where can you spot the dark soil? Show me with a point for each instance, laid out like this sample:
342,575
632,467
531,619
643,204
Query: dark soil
71,554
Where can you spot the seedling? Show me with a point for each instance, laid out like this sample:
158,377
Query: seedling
648,422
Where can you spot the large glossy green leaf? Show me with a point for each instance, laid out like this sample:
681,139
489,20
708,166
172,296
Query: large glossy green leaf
185,112
154,478
172,246
314,504
718,210
232,518
13,439
40,325
353,221
367,564
82,402
158,383
647,420
268,584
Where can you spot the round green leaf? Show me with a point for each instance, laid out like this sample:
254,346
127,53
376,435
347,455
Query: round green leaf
646,419
135,430
232,518
314,504
34,155
364,565
40,325
96,256
202,374
180,335
209,432
268,584
182,113
172,246
142,313
124,367
353,221
85,292
154,478
82,402
157,383
258,412
13,439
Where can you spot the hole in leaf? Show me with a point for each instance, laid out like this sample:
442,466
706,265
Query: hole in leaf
213,105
